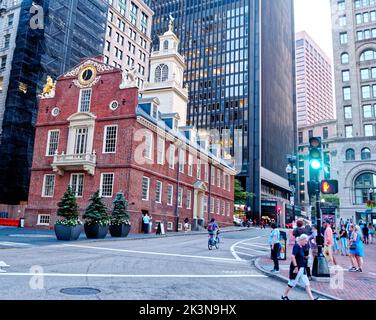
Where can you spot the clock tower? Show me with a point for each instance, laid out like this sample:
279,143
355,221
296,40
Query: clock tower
166,76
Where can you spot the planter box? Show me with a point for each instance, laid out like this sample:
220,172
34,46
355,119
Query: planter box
95,231
120,231
67,233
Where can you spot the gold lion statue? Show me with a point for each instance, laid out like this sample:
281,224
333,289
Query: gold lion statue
48,87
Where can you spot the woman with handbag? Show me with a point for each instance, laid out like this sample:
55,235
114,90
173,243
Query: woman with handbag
356,249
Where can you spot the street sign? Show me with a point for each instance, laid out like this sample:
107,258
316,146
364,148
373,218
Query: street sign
292,201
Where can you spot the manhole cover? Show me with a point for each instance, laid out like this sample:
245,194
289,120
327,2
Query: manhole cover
80,291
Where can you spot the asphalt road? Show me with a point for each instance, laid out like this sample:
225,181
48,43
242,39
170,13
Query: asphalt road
171,268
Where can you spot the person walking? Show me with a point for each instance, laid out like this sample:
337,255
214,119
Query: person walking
297,274
146,221
344,241
371,229
275,246
297,232
328,243
186,221
365,234
356,249
335,239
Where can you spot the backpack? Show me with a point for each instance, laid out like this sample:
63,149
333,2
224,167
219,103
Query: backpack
211,227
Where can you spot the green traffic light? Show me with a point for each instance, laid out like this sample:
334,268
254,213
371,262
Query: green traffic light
315,164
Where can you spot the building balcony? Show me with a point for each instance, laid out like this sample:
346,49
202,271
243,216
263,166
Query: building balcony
74,162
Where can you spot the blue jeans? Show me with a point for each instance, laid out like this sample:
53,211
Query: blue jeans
344,244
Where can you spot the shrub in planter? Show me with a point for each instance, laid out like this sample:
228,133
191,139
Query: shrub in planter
97,220
70,227
120,224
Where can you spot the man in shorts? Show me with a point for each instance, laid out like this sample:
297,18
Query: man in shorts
328,243
298,274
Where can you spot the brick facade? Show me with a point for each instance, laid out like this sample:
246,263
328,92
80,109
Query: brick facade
128,164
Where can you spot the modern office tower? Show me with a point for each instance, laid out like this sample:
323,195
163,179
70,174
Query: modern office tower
128,37
354,43
240,76
9,15
314,86
51,36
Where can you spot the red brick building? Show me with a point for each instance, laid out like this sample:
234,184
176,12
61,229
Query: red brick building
93,132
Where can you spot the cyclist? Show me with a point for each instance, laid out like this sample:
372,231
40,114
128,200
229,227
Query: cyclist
213,229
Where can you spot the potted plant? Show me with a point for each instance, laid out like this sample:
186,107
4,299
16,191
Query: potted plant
97,220
70,227
120,224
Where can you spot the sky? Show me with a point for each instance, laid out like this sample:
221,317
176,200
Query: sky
314,16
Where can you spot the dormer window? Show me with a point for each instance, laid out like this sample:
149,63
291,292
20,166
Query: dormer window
155,112
85,99
165,45
161,73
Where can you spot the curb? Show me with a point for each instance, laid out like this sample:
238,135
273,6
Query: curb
285,280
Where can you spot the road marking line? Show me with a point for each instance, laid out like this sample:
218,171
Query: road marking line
14,244
232,249
250,249
245,254
153,253
255,245
26,274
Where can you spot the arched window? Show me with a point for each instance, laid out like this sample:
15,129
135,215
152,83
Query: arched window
363,184
366,154
368,55
350,154
161,73
165,45
345,58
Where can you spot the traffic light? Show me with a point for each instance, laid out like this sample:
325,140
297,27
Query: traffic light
315,157
329,187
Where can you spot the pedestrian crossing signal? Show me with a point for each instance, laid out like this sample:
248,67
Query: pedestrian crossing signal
329,187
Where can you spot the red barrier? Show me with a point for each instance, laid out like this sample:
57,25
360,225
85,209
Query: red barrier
10,222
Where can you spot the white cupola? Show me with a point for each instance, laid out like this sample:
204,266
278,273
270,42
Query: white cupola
167,75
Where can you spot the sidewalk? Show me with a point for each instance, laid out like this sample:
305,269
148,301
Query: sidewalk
47,237
356,285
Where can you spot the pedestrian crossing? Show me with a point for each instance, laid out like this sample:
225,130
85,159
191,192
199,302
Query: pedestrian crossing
251,248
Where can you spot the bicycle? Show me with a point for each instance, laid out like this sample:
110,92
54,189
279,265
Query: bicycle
213,242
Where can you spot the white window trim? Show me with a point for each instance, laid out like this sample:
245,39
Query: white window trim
163,144
180,192
83,183
181,160
172,195
79,101
150,155
170,226
206,177
171,154
44,186
39,219
189,197
190,165
148,195
104,138
101,184
160,192
48,142
198,169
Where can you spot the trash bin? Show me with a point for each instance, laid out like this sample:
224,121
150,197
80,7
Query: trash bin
283,241
22,222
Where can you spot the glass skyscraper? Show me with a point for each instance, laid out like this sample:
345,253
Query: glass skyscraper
71,30
241,77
